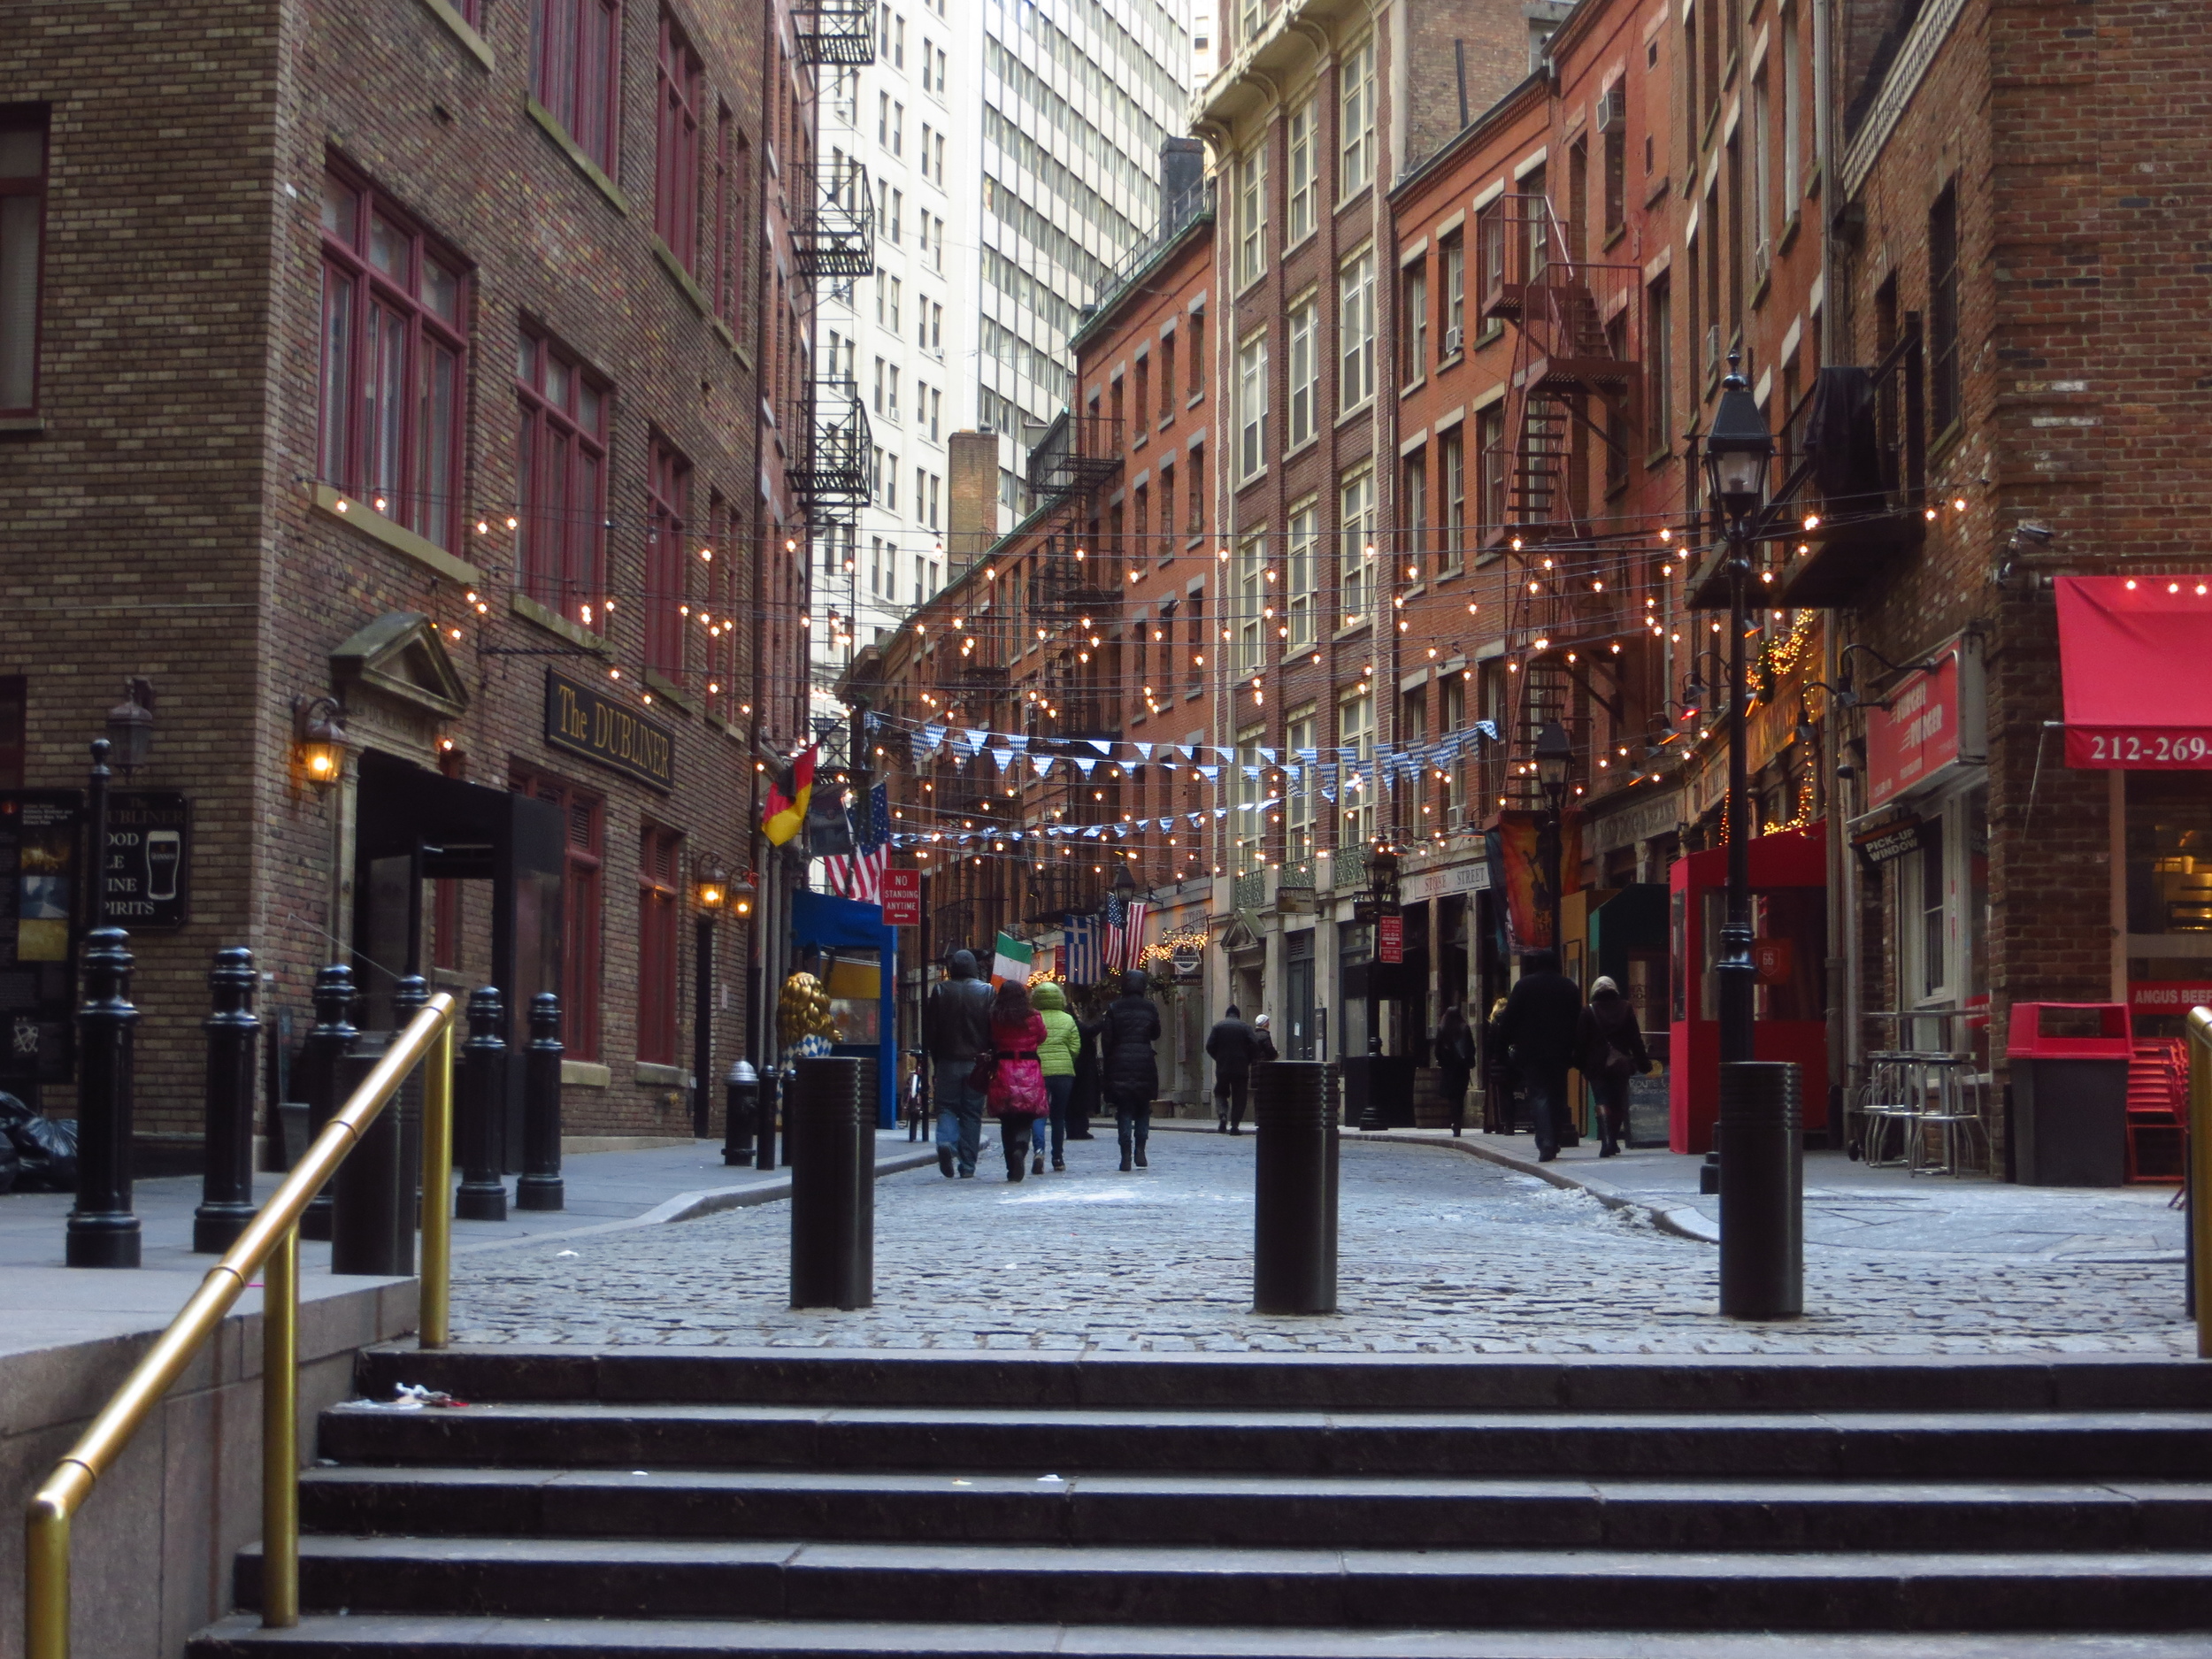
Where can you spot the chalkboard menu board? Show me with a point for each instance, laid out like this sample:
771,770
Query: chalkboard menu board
41,833
1647,1109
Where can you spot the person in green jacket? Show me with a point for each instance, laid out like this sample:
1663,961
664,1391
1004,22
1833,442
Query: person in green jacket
1056,1058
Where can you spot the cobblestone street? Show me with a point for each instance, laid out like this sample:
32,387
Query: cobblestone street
1441,1253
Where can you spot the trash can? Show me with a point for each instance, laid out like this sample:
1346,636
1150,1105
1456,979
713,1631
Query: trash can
2070,1093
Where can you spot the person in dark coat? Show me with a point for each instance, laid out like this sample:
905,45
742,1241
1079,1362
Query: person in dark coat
1084,1101
1610,1048
1132,1075
1540,1026
1455,1059
1501,1112
955,1028
1230,1046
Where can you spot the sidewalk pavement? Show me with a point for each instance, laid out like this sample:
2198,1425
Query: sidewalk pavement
1866,1211
44,1304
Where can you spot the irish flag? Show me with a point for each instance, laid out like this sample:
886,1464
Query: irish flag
1010,959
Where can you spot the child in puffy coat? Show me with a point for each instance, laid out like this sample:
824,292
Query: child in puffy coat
1016,1096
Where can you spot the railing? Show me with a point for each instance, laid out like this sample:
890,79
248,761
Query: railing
270,1246
2200,1187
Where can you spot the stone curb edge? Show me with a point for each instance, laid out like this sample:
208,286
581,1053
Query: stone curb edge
1684,1221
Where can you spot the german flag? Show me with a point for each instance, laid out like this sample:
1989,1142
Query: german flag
785,809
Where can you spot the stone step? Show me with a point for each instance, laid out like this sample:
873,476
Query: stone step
378,1636
1766,1517
1858,1446
1554,1589
1292,1381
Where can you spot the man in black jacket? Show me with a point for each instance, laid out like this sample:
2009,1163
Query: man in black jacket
1543,1016
955,1028
1131,1075
1230,1046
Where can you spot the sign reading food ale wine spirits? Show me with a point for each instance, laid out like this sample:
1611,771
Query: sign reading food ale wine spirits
149,873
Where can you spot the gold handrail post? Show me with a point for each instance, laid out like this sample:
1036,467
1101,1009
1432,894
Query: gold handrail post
2201,1173
280,1434
434,1315
46,1563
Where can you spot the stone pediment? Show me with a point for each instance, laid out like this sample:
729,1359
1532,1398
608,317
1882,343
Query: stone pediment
398,656
1242,934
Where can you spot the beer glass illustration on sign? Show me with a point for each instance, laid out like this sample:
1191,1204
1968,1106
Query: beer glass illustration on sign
165,851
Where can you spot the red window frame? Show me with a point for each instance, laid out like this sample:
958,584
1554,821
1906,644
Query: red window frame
730,159
576,72
392,362
561,480
667,574
582,906
676,146
20,224
659,858
720,622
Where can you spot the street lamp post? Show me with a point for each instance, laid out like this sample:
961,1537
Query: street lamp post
712,891
1553,755
1737,451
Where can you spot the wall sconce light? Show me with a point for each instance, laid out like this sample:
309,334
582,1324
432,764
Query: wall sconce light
318,726
130,726
743,892
712,888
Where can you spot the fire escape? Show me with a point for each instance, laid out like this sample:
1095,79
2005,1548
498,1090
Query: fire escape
1573,416
833,242
840,32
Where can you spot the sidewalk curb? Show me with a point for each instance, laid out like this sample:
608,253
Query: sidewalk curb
1684,1221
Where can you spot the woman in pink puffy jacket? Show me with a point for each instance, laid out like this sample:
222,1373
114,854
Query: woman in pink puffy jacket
1016,1096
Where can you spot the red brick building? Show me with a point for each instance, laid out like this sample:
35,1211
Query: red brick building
427,375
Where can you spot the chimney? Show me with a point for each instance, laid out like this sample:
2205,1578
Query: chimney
1182,173
973,521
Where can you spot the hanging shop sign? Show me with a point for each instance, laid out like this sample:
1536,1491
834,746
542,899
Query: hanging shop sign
1892,840
586,721
1932,730
1471,875
1660,815
901,898
149,873
2172,998
41,833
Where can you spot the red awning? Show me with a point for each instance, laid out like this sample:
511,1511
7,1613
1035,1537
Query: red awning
2136,655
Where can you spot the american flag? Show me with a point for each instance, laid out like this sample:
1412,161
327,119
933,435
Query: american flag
1081,956
1125,931
860,875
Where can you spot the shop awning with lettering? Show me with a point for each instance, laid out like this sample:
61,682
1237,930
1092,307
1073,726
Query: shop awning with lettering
2133,653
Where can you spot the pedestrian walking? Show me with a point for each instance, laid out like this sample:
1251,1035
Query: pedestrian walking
1229,1045
1084,1098
1542,1024
1455,1059
1131,1075
955,1030
1263,1042
1611,1050
1017,1091
1500,1113
1056,1056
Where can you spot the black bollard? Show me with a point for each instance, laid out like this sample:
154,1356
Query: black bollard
482,1100
540,1186
741,1103
233,1035
772,1090
101,1231
1293,1231
831,1142
371,1225
327,1045
1762,1192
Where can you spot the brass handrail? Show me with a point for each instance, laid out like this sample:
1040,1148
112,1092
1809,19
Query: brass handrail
2199,1185
270,1242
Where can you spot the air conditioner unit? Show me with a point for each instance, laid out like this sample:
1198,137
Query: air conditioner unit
1762,261
1712,348
1612,107
1453,341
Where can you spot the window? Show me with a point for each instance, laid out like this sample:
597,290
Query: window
22,230
883,119
1167,380
579,923
1194,492
1251,214
391,406
1490,458
1413,305
1451,256
898,43
657,908
1453,718
936,411
936,484
1659,386
1356,329
1252,589
1304,176
1356,118
576,72
1535,250
676,148
1252,406
921,479
1298,767
1413,507
1792,105
1302,577
561,472
1356,790
1195,354
668,491
898,129
729,216
1247,788
1143,372
1490,250
1355,545
1761,114
1451,458
879,387
1305,373
1164,635
1167,510
1615,160
1194,633
1943,309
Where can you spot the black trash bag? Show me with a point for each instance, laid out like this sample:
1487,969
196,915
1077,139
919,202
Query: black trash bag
46,1151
